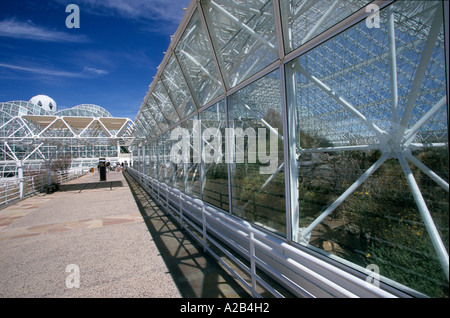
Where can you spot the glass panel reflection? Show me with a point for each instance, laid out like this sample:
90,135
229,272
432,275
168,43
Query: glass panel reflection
197,63
177,88
150,122
258,195
166,173
192,168
244,36
305,19
215,185
370,145
154,110
165,104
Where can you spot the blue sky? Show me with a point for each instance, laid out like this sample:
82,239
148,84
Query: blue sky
109,61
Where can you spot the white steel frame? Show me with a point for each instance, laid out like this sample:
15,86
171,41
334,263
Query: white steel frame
394,143
301,272
34,132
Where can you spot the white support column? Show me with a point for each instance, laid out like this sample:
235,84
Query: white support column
20,175
291,161
142,162
138,158
158,160
229,152
143,158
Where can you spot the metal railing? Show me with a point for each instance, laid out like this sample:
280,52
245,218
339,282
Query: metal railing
10,187
252,253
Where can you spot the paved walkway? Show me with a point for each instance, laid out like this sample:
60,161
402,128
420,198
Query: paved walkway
114,234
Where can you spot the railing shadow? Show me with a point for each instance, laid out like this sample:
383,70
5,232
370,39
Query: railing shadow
196,274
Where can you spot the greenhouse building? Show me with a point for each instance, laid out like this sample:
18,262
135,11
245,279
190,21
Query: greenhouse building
305,140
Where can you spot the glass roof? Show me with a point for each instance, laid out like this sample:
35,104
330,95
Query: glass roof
84,110
223,43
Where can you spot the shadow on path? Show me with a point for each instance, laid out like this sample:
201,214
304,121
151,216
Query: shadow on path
90,185
196,274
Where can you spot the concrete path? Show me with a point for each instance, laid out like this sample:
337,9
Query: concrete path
100,239
195,272
98,230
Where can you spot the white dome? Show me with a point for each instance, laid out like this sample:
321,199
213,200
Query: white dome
45,102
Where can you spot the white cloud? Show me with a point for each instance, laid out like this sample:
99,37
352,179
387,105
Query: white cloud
27,30
87,72
95,71
41,71
169,11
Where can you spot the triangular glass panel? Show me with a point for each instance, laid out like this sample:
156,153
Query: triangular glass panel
244,36
177,88
197,62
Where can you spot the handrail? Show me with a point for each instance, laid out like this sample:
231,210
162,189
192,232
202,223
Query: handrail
10,187
301,272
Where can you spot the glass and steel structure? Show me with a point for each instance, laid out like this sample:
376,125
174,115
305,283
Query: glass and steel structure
15,108
309,137
85,110
31,135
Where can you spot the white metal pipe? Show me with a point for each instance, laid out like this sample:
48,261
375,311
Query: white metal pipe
341,101
393,68
409,135
11,154
245,27
32,152
421,69
323,275
21,181
341,148
290,129
428,145
427,170
321,20
426,216
199,65
305,232
263,121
